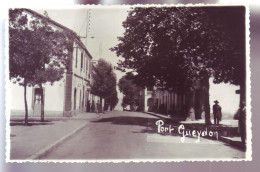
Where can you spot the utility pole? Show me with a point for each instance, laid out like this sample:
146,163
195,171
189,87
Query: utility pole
87,25
100,50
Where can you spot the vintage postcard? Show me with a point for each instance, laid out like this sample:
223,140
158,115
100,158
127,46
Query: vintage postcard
140,83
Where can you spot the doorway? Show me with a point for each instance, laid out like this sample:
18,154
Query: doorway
37,102
75,98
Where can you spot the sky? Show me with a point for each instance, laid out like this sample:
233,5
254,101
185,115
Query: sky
105,25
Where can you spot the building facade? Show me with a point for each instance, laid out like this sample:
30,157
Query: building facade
66,97
163,101
77,80
172,103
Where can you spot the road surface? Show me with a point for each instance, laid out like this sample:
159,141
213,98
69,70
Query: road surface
134,135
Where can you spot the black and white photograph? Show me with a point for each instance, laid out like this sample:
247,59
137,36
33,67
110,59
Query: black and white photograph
128,83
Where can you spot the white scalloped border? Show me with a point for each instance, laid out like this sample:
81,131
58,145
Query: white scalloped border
81,6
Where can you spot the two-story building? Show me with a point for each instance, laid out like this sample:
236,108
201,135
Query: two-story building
66,97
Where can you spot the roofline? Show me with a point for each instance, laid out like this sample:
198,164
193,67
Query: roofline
60,26
81,44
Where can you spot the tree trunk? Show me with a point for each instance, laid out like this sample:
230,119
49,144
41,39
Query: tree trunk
25,104
197,104
42,103
110,104
207,104
243,82
101,107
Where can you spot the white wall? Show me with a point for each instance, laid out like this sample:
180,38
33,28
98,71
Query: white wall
225,94
54,97
17,97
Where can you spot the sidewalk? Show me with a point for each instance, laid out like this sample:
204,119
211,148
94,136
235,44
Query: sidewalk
37,139
228,129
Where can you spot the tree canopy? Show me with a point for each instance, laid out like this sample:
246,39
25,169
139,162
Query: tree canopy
111,101
104,79
130,90
176,46
38,52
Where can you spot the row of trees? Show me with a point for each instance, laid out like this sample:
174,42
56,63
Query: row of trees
173,47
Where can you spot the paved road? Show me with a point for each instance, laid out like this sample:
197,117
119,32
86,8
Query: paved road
133,135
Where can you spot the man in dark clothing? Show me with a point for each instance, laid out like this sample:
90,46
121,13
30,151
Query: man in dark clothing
217,112
92,107
88,106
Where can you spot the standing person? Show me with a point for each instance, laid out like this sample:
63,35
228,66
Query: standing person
98,107
242,121
93,106
191,115
217,112
202,112
88,106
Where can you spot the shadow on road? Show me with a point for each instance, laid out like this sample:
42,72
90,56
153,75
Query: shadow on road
151,127
127,120
149,123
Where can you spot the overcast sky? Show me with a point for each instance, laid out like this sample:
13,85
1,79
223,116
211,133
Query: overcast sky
105,25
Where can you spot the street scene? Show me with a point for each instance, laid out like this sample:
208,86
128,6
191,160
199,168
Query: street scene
98,83
118,135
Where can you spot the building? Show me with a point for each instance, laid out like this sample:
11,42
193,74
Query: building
173,103
162,101
66,97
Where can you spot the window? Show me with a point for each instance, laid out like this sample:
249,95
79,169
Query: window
80,99
86,65
75,98
76,62
81,65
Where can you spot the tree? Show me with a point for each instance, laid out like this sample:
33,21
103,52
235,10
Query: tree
231,68
111,101
104,80
174,47
130,90
126,101
37,52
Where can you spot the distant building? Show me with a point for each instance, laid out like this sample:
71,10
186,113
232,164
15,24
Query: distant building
173,103
146,101
162,101
66,97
